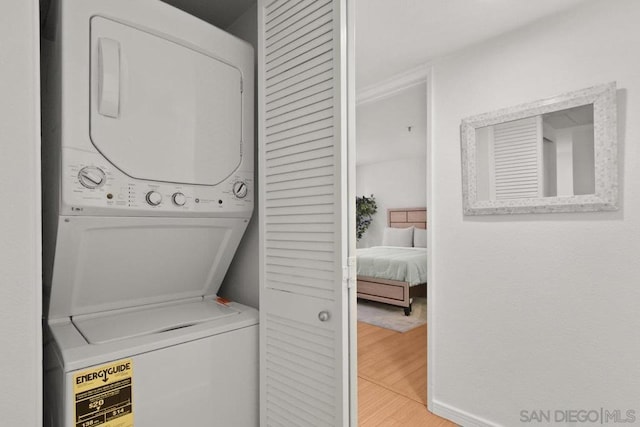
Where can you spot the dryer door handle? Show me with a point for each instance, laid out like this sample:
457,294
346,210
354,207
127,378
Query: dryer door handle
108,77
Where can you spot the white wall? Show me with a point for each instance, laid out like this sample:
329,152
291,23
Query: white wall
242,279
20,241
536,311
391,159
394,184
584,179
382,127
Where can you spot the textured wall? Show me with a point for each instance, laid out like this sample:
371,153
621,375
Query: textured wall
537,311
394,184
20,241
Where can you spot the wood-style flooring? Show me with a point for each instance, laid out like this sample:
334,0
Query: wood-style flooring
392,378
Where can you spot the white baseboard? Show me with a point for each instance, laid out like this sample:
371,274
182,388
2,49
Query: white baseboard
459,416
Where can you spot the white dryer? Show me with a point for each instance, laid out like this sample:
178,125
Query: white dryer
148,188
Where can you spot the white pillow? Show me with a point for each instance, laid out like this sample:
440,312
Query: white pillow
419,238
398,237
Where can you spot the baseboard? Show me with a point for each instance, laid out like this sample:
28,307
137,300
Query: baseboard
459,416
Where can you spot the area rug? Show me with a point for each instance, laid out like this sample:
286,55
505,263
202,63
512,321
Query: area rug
392,317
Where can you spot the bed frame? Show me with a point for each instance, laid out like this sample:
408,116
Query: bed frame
392,291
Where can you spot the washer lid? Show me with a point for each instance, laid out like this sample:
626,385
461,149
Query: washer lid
104,264
163,111
103,328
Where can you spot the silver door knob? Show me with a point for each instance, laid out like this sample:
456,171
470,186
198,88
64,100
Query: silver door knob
324,316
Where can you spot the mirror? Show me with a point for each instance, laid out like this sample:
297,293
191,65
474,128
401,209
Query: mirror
553,155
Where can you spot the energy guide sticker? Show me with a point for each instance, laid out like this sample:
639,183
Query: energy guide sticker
103,395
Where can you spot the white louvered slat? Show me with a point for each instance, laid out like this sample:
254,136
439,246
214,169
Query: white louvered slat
285,256
303,270
283,13
297,40
517,153
290,52
299,60
300,219
314,264
299,21
302,156
299,112
301,210
306,137
302,98
315,293
285,193
302,151
298,210
299,122
300,130
304,71
291,177
289,367
296,236
311,182
313,81
302,166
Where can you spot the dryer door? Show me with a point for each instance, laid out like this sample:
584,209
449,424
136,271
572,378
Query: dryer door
162,111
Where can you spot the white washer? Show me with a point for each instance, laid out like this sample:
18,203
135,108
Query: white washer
148,188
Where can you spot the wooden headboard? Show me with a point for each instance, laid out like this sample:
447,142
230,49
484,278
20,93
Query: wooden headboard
407,217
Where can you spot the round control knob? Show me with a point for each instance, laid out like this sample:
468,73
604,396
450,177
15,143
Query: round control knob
154,198
92,177
240,190
179,199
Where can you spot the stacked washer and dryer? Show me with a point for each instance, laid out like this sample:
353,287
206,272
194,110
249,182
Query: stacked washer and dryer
148,188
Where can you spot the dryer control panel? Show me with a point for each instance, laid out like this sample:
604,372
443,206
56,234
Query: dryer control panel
91,185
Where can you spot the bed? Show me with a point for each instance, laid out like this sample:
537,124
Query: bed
392,274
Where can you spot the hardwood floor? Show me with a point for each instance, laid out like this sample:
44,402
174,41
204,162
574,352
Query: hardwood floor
392,378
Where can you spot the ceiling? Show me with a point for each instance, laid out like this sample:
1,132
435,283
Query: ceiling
220,13
393,36
576,116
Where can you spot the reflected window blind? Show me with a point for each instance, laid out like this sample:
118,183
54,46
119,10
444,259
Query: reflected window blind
517,150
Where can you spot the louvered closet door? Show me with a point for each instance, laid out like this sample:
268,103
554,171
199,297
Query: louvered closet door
303,213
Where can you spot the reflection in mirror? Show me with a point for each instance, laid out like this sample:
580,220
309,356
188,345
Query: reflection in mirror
546,155
551,155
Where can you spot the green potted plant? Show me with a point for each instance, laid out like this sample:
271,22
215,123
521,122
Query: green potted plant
365,208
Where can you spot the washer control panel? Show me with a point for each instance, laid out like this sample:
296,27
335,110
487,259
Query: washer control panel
154,198
240,189
92,177
91,184
179,199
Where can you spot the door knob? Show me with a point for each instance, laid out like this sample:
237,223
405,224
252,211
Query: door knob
324,316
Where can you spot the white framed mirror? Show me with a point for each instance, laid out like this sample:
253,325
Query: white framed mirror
552,155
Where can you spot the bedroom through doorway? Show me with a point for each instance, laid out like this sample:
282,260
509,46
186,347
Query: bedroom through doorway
391,132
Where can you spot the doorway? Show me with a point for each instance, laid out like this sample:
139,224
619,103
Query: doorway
391,147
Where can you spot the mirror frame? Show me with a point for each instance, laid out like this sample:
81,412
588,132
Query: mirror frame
603,98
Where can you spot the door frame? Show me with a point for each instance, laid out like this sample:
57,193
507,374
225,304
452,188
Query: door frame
351,274
431,306
347,10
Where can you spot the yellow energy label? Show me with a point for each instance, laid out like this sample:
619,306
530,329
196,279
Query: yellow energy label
103,395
